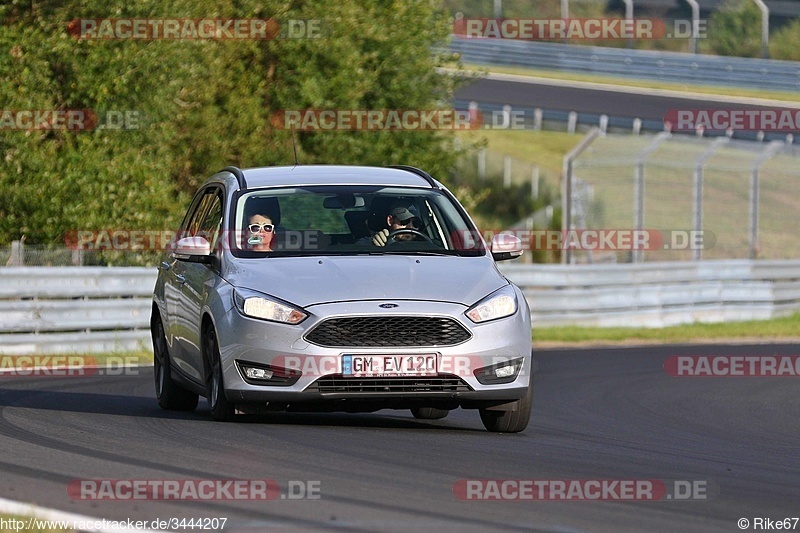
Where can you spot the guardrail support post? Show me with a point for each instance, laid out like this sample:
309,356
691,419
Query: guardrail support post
537,119
482,163
572,122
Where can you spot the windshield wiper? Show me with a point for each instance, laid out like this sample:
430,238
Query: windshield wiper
448,253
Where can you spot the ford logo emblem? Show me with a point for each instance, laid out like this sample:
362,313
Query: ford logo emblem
388,306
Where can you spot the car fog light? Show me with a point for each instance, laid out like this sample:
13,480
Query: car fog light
258,373
505,371
267,375
500,373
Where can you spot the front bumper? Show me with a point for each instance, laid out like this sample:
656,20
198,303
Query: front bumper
248,340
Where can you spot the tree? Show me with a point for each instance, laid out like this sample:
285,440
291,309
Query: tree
735,29
201,104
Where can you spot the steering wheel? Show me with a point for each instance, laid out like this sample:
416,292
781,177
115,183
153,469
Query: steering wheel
406,231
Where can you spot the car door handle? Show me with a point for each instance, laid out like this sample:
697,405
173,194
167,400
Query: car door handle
180,279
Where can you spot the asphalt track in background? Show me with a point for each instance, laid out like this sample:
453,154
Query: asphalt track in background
612,102
603,413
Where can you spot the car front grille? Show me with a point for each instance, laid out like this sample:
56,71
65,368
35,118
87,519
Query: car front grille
440,383
388,332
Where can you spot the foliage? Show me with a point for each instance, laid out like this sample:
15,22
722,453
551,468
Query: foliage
785,43
735,30
202,105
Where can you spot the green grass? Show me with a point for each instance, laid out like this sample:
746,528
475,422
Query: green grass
527,148
777,328
645,84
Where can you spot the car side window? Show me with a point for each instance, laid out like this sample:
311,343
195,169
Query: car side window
212,222
205,220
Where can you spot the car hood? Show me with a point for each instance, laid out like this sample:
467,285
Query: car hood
306,281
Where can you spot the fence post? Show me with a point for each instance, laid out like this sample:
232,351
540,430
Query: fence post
507,171
535,182
638,188
537,119
695,25
566,187
697,185
764,28
482,163
771,149
17,258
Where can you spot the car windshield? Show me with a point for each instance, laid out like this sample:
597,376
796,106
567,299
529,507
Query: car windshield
350,219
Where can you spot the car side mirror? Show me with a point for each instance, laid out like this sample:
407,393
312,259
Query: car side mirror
505,246
193,250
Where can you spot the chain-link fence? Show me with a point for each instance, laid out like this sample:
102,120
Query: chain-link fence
692,197
20,254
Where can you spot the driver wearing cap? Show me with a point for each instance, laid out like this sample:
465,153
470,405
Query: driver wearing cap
399,218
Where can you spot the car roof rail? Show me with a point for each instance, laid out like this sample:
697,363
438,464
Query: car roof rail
419,172
236,171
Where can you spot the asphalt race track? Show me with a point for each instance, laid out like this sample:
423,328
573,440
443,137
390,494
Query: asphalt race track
587,100
599,414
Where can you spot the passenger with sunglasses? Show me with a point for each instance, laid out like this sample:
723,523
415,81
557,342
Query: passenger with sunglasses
260,232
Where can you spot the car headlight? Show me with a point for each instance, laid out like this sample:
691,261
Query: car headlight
256,305
501,303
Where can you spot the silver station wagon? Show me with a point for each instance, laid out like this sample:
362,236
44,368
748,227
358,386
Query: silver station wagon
339,288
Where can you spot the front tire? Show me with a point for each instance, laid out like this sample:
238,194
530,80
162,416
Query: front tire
222,410
513,418
170,395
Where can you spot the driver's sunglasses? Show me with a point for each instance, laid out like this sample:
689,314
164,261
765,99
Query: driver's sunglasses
256,228
410,222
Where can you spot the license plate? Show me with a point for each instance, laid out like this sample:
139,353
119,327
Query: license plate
380,366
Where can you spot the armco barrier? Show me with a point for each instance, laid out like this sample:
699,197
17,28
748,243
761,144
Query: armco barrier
658,294
643,64
49,310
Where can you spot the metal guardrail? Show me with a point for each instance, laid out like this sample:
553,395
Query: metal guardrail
658,294
642,64
60,310
48,310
